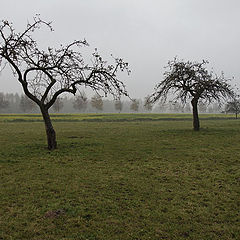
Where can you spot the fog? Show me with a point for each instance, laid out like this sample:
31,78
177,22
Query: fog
145,33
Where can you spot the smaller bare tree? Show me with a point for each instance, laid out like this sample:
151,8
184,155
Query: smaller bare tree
191,80
233,107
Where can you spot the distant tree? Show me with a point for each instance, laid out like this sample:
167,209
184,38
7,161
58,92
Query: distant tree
25,104
187,108
46,74
148,106
134,105
3,102
176,107
80,102
233,107
202,106
118,105
97,102
162,107
58,105
210,109
186,80
16,98
9,97
217,108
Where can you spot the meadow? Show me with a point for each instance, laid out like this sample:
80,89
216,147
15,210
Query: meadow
120,177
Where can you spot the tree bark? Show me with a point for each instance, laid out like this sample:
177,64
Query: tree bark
196,124
51,134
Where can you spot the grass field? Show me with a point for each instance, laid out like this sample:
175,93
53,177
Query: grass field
120,177
109,117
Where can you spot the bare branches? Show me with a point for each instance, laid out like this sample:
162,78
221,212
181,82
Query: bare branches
186,80
45,74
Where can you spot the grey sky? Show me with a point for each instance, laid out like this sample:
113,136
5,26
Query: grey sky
146,33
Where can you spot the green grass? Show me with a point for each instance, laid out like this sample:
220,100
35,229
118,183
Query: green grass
120,179
123,117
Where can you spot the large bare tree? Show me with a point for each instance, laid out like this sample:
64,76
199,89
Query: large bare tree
184,80
45,74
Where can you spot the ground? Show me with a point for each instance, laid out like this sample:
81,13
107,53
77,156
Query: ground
127,176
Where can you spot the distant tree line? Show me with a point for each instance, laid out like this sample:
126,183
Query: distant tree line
20,103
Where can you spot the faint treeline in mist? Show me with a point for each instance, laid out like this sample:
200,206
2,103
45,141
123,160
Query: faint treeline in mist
19,103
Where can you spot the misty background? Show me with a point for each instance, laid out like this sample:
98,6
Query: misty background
145,33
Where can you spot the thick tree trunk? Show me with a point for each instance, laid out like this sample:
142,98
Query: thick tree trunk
51,135
196,124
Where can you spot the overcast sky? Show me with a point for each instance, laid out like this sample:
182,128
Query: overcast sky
146,33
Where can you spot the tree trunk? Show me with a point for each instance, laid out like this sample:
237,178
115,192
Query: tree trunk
196,124
51,135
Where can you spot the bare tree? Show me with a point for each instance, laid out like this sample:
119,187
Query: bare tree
147,105
185,80
118,105
80,102
233,107
25,104
45,74
58,105
134,105
97,102
3,101
176,107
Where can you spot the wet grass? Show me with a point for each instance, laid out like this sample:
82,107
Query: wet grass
123,117
120,180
